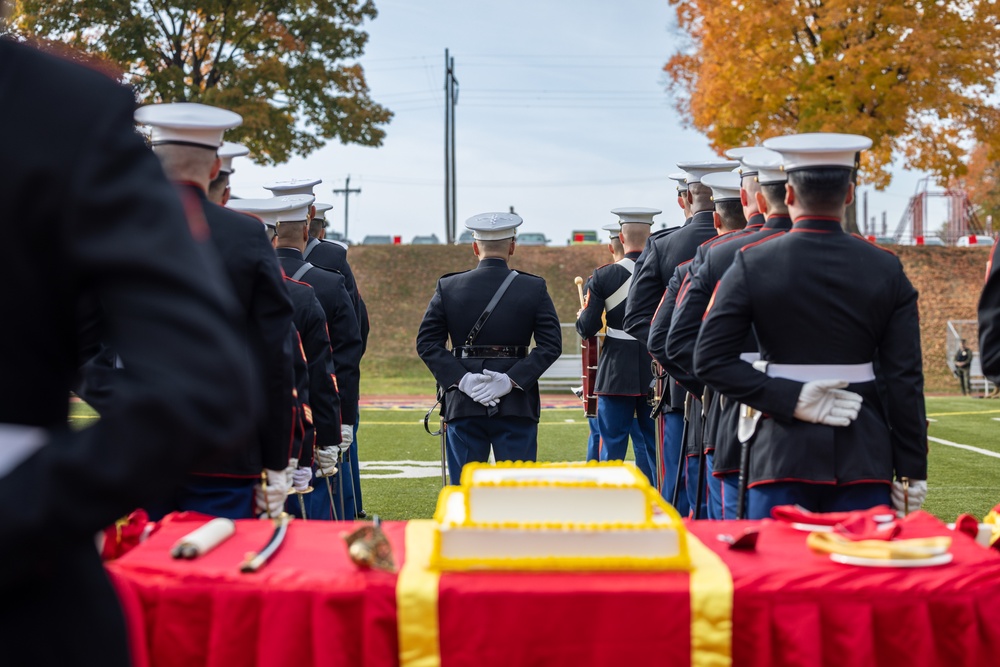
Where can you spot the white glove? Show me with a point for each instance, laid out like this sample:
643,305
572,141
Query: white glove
327,459
917,495
826,402
301,478
346,437
470,382
271,499
489,393
293,463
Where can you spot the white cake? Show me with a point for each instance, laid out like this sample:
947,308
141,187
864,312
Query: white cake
518,516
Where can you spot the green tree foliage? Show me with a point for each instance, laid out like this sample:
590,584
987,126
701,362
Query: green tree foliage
281,64
916,76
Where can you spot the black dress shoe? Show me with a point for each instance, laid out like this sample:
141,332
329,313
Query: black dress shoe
361,515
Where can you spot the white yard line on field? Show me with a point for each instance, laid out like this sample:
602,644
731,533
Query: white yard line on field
977,450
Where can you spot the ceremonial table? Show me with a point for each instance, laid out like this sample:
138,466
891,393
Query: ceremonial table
312,606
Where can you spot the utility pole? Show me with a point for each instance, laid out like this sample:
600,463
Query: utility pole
347,192
450,100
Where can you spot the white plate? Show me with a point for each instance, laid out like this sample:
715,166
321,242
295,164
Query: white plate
812,527
940,559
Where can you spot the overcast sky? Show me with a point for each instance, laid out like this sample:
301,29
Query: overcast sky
562,113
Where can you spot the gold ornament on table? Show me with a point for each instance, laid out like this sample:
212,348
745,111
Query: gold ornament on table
368,547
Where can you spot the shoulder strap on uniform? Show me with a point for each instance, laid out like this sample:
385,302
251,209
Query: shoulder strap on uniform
471,338
313,242
303,270
621,293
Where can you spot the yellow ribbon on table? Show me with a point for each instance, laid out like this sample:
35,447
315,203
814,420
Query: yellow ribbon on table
417,600
711,594
925,547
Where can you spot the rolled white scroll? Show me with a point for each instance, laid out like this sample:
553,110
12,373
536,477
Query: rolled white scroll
202,540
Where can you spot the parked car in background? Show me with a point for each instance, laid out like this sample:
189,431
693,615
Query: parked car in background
337,237
974,241
432,239
465,237
583,237
532,238
376,239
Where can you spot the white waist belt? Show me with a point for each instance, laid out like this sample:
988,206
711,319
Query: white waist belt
619,334
17,443
750,357
811,372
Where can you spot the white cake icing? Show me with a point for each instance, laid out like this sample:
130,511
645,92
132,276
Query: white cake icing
570,516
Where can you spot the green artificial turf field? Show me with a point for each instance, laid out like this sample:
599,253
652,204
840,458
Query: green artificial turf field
401,473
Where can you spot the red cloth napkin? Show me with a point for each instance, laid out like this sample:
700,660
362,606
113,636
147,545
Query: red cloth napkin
126,534
798,514
876,523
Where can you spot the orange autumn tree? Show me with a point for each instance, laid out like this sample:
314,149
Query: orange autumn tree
915,77
982,184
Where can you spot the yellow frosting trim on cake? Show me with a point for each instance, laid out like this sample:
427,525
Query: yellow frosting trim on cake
417,600
638,481
678,561
711,593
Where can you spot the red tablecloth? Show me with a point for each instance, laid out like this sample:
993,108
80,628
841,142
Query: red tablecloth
310,606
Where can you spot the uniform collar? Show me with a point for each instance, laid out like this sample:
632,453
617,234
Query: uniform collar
822,224
756,220
293,253
703,217
633,255
687,221
492,263
779,221
194,187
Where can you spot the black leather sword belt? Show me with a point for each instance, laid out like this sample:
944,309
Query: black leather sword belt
491,351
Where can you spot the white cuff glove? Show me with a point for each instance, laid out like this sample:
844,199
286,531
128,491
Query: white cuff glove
293,463
470,382
326,460
346,437
490,392
917,495
301,478
826,402
271,499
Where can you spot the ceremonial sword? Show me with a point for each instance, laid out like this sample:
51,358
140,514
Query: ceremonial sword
255,561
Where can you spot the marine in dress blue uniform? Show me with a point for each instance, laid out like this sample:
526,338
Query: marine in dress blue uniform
186,138
114,230
623,369
333,255
490,386
219,188
702,406
322,407
989,320
594,439
721,442
824,306
342,325
649,284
